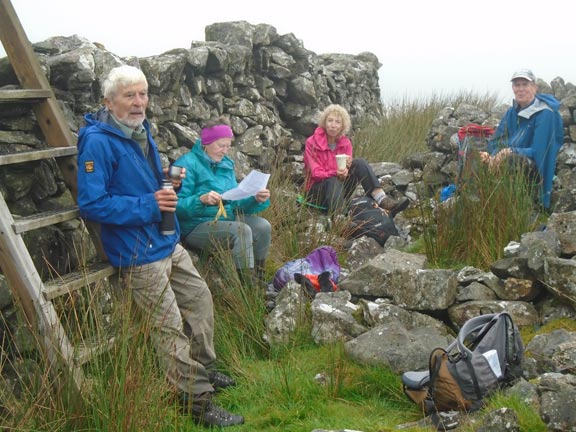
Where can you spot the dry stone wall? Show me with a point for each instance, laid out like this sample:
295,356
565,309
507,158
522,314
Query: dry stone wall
269,85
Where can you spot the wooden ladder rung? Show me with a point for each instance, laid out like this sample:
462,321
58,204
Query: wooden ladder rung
71,282
39,220
87,350
34,155
25,95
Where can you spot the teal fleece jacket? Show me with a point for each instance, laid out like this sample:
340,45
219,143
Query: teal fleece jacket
202,176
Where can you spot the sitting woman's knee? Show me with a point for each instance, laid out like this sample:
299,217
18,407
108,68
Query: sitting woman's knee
242,234
264,226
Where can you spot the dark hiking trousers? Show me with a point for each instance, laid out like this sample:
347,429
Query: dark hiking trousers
335,195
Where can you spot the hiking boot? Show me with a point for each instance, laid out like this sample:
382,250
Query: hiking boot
249,278
392,206
205,413
220,381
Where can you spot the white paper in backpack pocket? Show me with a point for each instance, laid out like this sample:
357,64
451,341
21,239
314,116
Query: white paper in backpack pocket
492,357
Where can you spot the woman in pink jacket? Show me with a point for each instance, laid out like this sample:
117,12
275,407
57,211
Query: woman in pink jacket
330,186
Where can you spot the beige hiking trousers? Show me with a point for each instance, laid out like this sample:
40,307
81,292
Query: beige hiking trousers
177,303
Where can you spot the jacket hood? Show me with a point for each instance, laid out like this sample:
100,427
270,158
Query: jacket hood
549,100
541,102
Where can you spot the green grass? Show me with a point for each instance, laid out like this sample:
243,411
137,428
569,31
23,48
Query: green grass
403,129
282,394
277,389
474,227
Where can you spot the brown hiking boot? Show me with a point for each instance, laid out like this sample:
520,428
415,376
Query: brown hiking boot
392,206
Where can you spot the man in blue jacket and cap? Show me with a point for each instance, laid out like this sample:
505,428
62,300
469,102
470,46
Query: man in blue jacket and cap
119,186
530,133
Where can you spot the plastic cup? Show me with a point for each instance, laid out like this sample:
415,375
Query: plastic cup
341,161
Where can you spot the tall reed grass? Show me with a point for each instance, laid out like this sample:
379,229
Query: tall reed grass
491,207
403,128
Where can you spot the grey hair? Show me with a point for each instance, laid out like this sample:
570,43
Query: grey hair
339,111
120,77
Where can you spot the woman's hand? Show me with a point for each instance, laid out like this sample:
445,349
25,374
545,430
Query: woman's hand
262,195
342,174
211,198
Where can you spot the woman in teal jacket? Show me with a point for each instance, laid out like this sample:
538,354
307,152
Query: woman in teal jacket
531,130
210,173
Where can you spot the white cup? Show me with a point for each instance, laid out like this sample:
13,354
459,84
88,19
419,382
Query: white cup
174,172
341,161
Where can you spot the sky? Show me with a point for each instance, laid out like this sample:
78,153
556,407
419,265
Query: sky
426,48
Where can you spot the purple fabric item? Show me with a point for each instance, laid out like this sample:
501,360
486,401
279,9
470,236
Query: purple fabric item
211,134
318,261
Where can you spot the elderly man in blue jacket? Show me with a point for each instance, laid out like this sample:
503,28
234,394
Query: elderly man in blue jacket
531,131
119,186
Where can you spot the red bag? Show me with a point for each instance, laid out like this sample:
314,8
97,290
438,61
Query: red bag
316,283
475,130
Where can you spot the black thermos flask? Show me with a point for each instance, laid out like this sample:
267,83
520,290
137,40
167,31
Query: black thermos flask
168,223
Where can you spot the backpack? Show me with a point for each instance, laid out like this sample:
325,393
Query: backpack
320,260
472,137
486,355
367,218
316,283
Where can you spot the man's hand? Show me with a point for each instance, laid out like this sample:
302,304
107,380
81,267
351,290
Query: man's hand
500,156
176,182
166,199
484,156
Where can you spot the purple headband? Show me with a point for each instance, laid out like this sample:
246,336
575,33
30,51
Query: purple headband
211,134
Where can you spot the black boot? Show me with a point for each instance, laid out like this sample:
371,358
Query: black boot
219,380
207,414
248,278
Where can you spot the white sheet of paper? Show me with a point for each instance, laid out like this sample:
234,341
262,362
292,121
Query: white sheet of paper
252,183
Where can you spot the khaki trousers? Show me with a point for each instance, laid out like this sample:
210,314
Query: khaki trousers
178,305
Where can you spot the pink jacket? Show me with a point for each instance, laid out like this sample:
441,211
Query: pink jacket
319,160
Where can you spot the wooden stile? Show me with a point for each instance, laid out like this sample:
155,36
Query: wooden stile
35,296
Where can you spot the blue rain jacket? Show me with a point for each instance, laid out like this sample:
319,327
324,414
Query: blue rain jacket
535,132
116,186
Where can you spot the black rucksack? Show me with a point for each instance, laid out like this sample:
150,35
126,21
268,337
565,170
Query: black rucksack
367,218
486,355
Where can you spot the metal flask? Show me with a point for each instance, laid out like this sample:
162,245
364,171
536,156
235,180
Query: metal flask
168,223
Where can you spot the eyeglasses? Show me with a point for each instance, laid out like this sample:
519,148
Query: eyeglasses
223,146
